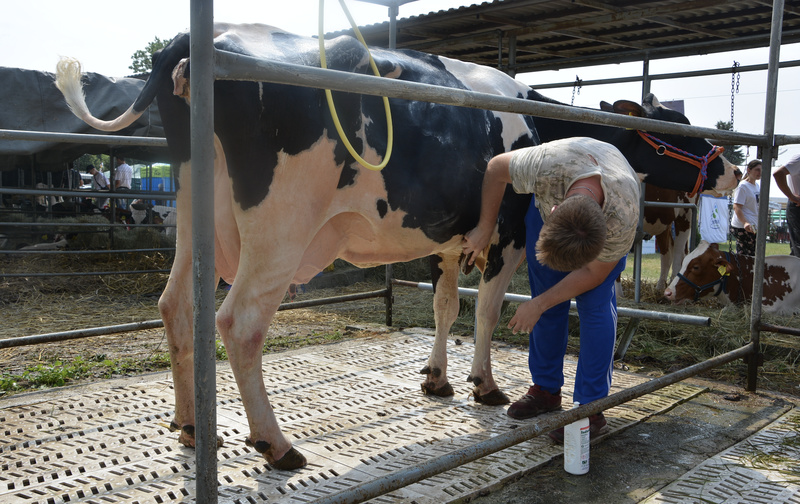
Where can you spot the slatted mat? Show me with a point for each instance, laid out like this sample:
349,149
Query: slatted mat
354,409
764,468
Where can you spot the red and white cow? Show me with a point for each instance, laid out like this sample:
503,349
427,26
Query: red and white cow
276,145
707,271
659,221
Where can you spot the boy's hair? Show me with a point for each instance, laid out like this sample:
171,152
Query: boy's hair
573,235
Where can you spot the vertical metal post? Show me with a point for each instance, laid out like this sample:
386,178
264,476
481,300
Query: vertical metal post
389,294
499,49
201,83
645,76
763,209
512,55
394,10
637,261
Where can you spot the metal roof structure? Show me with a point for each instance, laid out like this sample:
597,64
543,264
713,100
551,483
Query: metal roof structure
532,35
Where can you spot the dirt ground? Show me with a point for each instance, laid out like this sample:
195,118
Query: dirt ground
32,306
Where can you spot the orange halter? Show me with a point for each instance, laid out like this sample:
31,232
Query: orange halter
701,162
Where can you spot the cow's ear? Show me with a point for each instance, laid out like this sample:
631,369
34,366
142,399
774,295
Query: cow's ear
606,107
628,107
714,246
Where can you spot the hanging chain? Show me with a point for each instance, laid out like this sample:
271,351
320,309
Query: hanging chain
735,76
576,87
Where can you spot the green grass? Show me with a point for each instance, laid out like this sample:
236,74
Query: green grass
61,372
651,263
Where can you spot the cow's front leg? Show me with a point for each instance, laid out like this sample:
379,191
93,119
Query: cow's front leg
444,270
499,269
242,322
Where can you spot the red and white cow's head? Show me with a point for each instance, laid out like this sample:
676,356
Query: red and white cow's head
704,273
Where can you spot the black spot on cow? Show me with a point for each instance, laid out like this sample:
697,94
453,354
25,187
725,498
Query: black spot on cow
383,207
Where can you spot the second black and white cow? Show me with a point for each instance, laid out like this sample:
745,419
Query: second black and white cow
276,145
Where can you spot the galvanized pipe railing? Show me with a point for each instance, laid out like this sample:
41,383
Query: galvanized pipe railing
46,136
239,67
527,430
678,318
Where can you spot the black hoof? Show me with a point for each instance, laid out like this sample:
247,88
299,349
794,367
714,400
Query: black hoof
493,398
444,391
292,460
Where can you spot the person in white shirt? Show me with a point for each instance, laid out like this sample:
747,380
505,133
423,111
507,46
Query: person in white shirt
745,210
123,178
787,177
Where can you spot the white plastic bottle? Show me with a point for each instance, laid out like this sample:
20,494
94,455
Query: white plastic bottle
576,446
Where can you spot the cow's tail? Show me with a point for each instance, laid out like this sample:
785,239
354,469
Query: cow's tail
68,81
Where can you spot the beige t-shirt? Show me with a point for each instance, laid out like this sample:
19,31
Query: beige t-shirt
548,171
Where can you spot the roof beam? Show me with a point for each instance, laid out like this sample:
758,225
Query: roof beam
605,40
692,27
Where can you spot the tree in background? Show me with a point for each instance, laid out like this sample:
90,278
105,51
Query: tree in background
143,58
100,161
733,153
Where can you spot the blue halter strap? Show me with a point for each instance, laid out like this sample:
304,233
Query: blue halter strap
722,281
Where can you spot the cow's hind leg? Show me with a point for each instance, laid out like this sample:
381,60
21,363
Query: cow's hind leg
444,270
176,305
242,322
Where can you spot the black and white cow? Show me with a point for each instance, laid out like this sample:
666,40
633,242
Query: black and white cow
276,145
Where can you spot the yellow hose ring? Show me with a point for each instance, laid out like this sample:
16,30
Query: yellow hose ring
332,107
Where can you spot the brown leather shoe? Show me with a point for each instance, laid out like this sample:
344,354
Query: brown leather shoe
535,402
597,427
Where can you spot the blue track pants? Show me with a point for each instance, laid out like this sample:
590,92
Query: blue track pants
597,310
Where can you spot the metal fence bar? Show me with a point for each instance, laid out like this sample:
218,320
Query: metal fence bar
763,210
79,334
152,324
84,252
201,80
527,430
667,76
625,312
79,224
81,273
238,67
46,136
779,329
146,195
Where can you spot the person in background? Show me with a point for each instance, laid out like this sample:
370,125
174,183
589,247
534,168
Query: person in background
580,225
122,180
787,177
745,210
99,183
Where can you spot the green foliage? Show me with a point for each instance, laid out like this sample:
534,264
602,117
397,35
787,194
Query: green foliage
732,152
222,353
99,161
142,60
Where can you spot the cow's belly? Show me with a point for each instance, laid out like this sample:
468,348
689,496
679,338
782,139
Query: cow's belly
366,241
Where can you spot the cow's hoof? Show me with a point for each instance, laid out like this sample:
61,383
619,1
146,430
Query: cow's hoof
292,459
494,398
186,437
444,391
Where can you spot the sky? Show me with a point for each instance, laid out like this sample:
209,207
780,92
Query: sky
104,34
